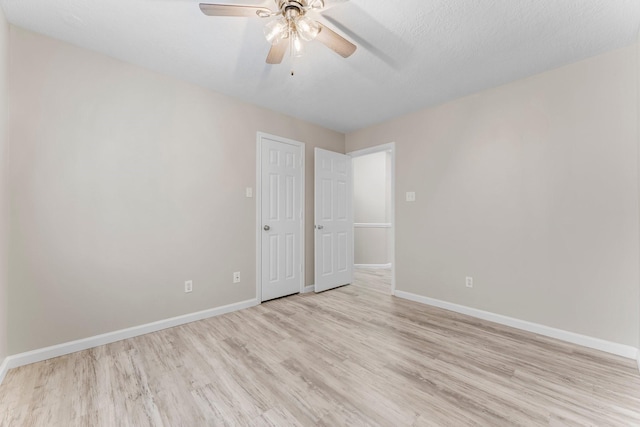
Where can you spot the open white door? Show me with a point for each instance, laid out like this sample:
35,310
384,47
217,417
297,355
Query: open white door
333,220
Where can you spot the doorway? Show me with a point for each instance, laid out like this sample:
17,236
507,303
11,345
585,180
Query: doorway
374,216
280,217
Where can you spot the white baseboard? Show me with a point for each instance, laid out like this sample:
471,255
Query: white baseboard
4,368
583,340
373,266
41,354
308,289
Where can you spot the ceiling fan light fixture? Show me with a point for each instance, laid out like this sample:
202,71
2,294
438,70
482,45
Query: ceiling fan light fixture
297,46
307,29
315,4
276,30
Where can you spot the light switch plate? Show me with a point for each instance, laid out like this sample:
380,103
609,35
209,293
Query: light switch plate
248,192
411,196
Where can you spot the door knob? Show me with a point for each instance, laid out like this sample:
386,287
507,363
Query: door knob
267,228
319,227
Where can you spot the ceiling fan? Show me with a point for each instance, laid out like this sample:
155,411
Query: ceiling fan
290,30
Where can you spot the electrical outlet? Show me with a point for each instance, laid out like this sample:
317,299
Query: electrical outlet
248,192
236,277
188,286
469,282
411,196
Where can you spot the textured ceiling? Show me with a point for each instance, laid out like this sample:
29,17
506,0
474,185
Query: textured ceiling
412,53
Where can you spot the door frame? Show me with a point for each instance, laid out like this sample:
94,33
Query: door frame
390,147
258,194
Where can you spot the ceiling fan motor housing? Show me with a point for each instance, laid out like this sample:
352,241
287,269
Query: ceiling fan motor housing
285,4
292,8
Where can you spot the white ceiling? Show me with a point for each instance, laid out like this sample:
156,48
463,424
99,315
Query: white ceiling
411,53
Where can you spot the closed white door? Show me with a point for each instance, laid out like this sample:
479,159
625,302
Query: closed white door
333,220
281,217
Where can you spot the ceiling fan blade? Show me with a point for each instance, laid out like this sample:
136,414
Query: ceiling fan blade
232,10
277,51
335,42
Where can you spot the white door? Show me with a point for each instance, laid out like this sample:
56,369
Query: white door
333,220
281,217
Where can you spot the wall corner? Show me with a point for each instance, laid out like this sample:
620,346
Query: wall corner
4,132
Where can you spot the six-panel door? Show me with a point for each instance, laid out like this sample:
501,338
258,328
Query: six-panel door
333,220
281,218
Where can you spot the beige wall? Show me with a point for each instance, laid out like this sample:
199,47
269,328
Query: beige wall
125,183
371,246
532,189
4,60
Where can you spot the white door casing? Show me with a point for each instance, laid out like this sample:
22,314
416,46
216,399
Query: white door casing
280,216
333,220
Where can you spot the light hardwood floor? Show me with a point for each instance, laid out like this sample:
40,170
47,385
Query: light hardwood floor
351,356
375,279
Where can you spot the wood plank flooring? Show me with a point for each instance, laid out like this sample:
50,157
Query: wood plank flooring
352,356
375,279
